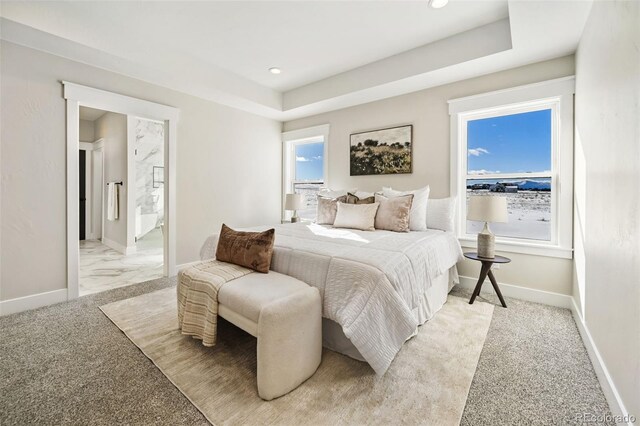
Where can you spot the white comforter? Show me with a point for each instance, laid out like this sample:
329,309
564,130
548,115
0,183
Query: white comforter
371,283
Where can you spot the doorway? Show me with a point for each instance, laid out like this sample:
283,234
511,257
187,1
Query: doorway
109,144
78,96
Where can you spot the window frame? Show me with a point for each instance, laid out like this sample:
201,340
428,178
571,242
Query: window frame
556,95
292,139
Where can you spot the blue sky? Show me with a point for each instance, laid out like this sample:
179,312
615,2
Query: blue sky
309,161
510,144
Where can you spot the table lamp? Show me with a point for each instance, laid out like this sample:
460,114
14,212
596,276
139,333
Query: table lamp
294,202
487,208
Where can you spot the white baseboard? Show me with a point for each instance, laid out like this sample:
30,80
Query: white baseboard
606,382
19,304
119,247
522,293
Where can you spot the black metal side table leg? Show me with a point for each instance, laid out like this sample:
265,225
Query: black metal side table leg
486,269
496,288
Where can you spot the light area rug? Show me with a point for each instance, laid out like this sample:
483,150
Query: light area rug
427,383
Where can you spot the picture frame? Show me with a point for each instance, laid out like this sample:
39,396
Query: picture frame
381,151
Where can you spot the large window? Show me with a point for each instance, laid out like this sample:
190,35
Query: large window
517,144
305,167
510,155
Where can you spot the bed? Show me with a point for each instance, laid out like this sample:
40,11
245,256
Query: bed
377,287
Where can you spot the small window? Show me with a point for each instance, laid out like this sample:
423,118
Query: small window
305,167
309,175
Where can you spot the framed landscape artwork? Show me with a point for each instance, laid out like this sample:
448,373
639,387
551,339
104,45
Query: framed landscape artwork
381,152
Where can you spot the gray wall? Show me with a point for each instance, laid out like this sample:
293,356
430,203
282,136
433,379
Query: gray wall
428,111
607,208
228,166
112,128
87,131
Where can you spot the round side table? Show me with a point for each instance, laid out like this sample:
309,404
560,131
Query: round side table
486,271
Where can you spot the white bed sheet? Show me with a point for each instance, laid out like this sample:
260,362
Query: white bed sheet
373,283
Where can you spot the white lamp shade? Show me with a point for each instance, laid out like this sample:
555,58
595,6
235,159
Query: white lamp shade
294,202
488,208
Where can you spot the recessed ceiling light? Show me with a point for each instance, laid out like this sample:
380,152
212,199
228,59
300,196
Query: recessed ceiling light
275,70
437,4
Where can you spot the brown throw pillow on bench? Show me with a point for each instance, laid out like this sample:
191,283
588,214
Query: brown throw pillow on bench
252,250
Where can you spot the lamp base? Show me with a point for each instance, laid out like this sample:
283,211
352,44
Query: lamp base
486,243
294,219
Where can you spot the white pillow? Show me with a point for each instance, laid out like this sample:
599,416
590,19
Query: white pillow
418,215
356,216
330,193
440,213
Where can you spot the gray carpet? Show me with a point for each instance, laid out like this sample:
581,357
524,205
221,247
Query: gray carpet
534,369
68,364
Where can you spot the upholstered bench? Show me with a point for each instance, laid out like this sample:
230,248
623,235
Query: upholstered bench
285,314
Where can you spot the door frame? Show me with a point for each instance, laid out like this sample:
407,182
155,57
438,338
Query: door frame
90,226
88,209
87,192
77,95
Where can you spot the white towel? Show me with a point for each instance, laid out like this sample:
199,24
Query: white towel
113,205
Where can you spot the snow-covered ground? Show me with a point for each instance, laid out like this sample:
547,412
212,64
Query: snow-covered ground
310,192
529,215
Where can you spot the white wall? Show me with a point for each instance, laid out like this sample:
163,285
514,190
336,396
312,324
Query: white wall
228,166
607,208
112,128
87,131
427,110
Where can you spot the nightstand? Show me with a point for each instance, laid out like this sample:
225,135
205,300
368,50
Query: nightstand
486,271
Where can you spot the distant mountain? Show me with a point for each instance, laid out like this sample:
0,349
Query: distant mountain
533,185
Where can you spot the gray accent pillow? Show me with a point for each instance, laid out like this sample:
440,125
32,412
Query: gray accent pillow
394,212
354,199
327,209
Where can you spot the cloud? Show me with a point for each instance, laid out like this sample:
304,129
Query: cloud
318,157
483,172
302,159
476,152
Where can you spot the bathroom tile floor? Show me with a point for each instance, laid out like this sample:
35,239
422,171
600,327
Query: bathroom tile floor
102,268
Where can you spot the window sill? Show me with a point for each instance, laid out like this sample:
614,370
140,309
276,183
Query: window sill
545,250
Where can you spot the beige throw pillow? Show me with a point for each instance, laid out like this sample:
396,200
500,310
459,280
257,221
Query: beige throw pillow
393,213
418,219
356,216
327,209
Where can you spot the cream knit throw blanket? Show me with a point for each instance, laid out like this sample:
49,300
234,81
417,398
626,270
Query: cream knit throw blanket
198,288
